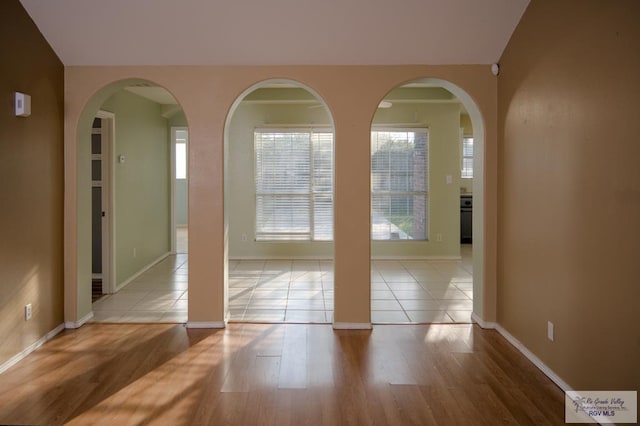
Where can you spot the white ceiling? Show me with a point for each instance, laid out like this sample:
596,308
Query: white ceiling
276,32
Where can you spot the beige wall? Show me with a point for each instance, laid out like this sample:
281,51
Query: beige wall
31,185
206,95
569,209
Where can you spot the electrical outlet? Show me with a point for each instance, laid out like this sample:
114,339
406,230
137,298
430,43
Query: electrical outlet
550,330
134,252
27,312
244,237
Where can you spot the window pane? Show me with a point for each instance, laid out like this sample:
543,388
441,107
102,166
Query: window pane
399,184
467,157
323,217
294,185
282,217
181,160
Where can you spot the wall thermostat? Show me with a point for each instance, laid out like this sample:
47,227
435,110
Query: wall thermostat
23,105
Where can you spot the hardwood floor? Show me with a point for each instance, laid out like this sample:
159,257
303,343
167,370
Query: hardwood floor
284,374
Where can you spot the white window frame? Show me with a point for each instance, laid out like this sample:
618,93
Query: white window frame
291,236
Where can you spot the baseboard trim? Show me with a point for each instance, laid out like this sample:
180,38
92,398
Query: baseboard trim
482,323
77,324
142,271
29,349
523,350
533,358
352,326
212,324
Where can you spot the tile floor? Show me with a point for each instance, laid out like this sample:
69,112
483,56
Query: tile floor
402,291
158,295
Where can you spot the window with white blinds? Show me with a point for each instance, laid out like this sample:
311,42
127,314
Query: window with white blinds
294,184
399,182
467,157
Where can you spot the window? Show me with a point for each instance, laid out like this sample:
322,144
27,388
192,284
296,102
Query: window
467,157
399,178
294,184
181,154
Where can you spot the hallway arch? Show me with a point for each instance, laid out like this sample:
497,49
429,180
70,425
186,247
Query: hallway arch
265,116
478,125
79,306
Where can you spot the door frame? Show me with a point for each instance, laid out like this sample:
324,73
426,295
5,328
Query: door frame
172,189
108,201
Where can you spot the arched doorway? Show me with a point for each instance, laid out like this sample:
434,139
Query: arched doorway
146,280
279,170
421,163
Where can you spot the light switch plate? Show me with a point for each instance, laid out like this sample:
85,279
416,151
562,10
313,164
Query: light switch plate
23,105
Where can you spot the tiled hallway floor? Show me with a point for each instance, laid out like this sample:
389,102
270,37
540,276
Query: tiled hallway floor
301,291
158,295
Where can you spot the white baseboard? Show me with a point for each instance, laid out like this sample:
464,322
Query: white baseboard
32,347
77,324
142,271
213,324
352,326
482,323
523,350
533,358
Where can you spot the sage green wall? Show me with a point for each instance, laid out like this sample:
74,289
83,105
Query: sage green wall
142,183
443,120
241,184
31,184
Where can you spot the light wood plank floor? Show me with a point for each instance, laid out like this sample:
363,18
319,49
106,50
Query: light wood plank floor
278,374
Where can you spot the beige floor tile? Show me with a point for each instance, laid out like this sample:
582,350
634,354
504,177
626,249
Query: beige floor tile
429,316
142,316
382,295
264,315
404,286
421,305
305,316
385,305
261,293
301,291
306,294
311,305
411,294
107,316
388,316
448,294
460,316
